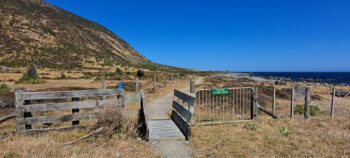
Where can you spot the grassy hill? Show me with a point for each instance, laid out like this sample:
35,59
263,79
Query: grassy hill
38,32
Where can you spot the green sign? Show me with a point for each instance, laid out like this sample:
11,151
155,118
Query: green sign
220,91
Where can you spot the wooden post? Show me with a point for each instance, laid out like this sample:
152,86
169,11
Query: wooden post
254,102
332,103
273,100
75,123
20,127
292,103
104,86
137,85
164,81
307,103
192,87
154,83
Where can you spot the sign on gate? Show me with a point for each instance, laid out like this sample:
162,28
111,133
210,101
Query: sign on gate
220,91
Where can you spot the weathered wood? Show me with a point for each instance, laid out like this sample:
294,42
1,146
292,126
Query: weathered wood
70,94
332,103
60,118
274,100
254,102
20,127
104,86
192,87
307,103
184,127
137,85
7,117
154,83
84,137
267,112
292,103
75,122
185,97
91,104
42,130
182,111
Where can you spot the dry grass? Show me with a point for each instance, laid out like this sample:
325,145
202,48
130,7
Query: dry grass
317,137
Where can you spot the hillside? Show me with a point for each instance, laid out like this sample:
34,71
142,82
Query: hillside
34,31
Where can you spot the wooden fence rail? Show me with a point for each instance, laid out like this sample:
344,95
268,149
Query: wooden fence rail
26,105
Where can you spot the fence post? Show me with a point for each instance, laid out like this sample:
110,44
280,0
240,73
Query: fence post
165,81
273,100
154,83
75,123
254,101
192,87
332,103
292,103
137,85
307,103
20,127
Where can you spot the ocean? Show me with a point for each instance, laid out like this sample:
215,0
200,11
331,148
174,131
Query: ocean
321,77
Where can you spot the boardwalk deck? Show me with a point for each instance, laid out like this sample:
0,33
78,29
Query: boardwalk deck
164,129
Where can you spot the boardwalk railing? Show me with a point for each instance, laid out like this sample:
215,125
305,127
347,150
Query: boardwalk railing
28,103
182,113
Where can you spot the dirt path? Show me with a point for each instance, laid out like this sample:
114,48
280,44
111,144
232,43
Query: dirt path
159,109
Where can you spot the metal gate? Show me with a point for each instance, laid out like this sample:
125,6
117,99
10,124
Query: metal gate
235,105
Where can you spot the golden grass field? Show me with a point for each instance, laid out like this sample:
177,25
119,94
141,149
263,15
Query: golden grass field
50,144
319,136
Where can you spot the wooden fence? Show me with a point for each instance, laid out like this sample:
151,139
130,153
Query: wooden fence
28,103
182,113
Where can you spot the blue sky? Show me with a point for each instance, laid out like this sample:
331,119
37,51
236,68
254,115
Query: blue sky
235,35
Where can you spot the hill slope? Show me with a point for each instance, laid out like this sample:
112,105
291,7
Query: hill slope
34,31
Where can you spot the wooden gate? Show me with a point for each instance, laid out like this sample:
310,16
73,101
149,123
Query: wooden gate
235,104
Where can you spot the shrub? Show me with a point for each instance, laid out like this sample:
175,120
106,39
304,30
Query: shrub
314,110
284,131
31,76
115,121
32,71
4,89
118,71
140,73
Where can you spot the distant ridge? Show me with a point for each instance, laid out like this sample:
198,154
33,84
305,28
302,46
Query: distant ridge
38,32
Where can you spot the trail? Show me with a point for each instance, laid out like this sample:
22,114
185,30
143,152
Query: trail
166,138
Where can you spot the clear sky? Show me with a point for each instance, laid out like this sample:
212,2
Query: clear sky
235,35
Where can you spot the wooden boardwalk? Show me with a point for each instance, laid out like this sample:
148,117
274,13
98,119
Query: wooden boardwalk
164,129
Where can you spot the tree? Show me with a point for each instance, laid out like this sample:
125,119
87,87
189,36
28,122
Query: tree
140,73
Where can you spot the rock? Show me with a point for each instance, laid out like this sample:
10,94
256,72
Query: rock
342,93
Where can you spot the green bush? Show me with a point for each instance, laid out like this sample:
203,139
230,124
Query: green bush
284,131
4,89
314,110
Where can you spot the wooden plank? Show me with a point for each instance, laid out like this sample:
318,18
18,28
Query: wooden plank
42,130
182,111
61,118
268,112
20,127
70,94
254,101
184,127
91,104
192,87
75,122
185,97
332,103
